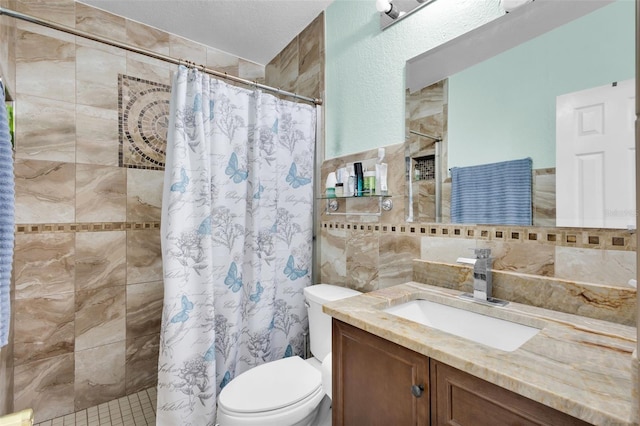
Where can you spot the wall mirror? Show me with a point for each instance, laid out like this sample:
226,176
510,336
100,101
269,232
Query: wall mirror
492,95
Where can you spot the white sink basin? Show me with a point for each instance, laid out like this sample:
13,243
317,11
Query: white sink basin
497,333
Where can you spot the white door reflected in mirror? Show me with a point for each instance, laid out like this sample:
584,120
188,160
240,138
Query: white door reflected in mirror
595,157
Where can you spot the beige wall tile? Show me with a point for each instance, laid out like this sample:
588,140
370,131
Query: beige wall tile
97,76
396,258
45,129
222,61
101,260
251,71
148,38
43,327
45,191
44,265
100,317
144,256
609,267
59,11
142,363
97,139
45,66
362,260
95,386
183,48
7,52
144,194
46,386
333,257
100,23
544,198
149,68
100,193
144,308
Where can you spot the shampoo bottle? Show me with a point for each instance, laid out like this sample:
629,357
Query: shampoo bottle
357,167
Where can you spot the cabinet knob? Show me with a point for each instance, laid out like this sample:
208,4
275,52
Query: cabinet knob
417,390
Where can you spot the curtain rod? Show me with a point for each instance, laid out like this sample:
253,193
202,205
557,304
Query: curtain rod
73,31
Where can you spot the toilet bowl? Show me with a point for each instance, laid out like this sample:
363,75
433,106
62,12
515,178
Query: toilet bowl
286,392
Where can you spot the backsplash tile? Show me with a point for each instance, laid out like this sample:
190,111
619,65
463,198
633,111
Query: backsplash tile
609,303
598,256
362,259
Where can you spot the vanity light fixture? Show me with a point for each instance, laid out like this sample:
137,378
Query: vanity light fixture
394,11
388,8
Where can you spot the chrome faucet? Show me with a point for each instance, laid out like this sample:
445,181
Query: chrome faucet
482,274
482,283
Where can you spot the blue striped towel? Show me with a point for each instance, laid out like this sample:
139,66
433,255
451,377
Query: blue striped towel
7,219
497,193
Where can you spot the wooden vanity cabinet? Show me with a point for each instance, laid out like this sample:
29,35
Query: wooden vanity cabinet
458,398
374,381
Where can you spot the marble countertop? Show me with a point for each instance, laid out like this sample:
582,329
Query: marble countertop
577,365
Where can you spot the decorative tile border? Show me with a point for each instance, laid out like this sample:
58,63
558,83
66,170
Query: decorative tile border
46,228
143,108
592,238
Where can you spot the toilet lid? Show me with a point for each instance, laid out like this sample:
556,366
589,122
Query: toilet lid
271,386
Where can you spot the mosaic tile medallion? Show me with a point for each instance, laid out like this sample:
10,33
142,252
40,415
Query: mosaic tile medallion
144,120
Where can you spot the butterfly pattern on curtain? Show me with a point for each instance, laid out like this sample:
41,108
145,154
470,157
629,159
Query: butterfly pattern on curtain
236,239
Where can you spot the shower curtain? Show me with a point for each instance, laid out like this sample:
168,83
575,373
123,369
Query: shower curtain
236,239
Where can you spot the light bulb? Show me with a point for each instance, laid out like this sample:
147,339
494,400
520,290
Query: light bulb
383,6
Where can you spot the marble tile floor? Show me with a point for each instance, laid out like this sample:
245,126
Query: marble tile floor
138,409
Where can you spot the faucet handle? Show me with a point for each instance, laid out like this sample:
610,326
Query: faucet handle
483,253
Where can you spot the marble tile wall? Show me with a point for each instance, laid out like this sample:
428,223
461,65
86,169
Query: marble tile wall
365,248
88,270
299,67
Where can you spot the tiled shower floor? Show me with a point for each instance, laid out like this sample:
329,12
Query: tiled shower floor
138,409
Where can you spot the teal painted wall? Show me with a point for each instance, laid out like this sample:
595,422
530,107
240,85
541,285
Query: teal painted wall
520,122
365,67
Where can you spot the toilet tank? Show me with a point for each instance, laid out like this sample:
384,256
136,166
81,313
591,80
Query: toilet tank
319,322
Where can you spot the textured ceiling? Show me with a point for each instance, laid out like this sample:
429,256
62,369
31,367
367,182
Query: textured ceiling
256,30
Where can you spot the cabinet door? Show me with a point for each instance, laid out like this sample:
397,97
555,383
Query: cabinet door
374,381
460,399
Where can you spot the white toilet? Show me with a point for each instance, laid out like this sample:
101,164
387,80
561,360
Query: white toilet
286,392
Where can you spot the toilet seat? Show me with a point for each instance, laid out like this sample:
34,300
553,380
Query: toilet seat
284,389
